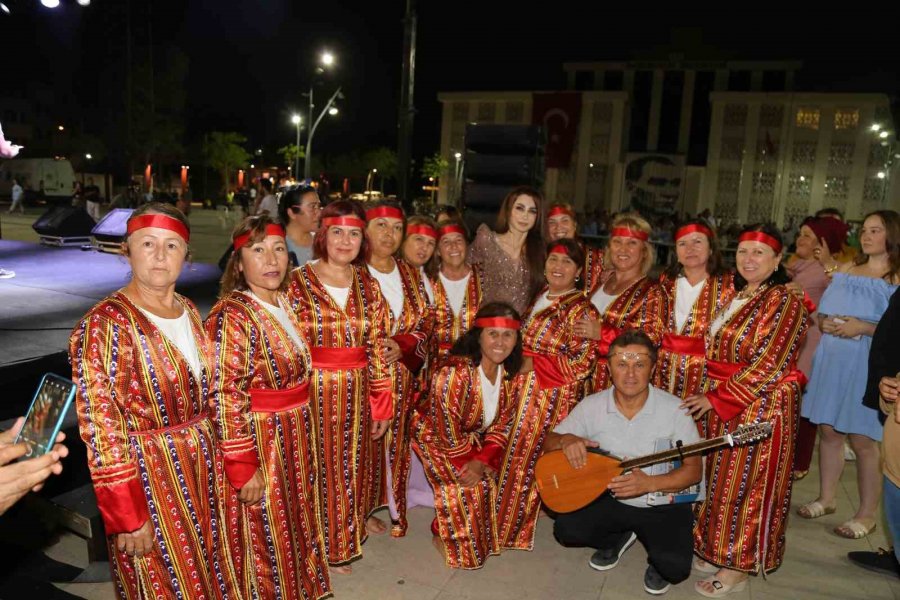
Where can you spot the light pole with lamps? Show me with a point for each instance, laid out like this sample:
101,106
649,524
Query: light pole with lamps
369,183
326,61
297,120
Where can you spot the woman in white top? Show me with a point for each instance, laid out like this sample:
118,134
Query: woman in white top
410,323
418,249
457,289
344,320
695,289
142,365
462,433
265,426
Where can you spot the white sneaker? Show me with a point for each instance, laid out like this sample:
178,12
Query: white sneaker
7,274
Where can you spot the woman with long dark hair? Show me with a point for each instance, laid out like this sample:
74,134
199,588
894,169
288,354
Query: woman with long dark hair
512,255
462,433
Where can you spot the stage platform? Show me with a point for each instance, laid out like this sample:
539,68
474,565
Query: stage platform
52,289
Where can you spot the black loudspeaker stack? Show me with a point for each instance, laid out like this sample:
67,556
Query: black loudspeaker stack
64,226
499,158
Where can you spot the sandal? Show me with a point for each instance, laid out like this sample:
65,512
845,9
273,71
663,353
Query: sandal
853,530
815,509
798,475
720,588
704,567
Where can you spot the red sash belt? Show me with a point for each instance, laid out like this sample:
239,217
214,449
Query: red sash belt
721,371
184,425
547,370
339,358
684,344
270,401
608,335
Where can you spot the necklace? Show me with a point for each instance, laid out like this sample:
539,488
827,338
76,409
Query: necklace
551,296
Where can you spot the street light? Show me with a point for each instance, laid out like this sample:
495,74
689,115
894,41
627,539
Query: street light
326,60
369,179
883,134
4,8
333,111
50,3
881,175
875,126
88,156
84,2
296,120
60,128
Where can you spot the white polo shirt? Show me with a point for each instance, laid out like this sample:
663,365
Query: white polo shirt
598,418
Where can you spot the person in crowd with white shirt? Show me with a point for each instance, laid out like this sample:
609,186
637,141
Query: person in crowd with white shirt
299,211
18,197
269,204
141,361
344,319
264,421
462,432
631,419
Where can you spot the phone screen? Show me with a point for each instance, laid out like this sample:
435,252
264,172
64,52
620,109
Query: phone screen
46,414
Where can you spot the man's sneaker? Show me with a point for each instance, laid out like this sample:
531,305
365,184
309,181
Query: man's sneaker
883,561
604,560
654,582
7,274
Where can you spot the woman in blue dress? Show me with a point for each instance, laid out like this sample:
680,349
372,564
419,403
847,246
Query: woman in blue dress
848,313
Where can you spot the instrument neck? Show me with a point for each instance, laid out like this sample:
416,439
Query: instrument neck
673,453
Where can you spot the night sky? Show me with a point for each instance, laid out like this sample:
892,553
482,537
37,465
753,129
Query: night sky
250,60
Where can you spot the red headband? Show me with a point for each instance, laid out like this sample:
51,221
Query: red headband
559,249
759,236
498,322
425,230
271,229
693,228
629,233
388,212
560,210
345,221
160,221
448,229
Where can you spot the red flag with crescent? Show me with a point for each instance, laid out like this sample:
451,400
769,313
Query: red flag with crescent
559,114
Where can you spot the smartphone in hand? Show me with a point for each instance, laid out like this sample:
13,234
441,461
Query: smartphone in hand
46,414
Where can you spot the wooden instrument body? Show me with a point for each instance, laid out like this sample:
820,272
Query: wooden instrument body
564,488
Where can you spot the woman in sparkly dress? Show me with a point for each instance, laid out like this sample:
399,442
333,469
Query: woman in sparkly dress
512,256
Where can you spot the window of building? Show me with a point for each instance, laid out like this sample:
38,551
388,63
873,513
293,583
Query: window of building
846,118
808,118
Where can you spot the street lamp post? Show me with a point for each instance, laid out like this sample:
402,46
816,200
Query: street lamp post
329,109
369,179
296,120
326,61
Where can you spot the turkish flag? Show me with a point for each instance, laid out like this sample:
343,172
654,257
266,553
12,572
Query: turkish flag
559,115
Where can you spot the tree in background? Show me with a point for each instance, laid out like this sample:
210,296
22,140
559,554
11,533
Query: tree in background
223,151
291,153
433,169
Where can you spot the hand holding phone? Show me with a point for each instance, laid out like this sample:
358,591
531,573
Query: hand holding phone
46,414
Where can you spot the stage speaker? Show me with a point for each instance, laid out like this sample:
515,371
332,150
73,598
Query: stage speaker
64,222
110,231
497,159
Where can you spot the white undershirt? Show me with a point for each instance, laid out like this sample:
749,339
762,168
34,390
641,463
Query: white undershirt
456,291
282,317
735,306
602,300
391,288
429,290
490,396
541,303
338,294
685,297
181,334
